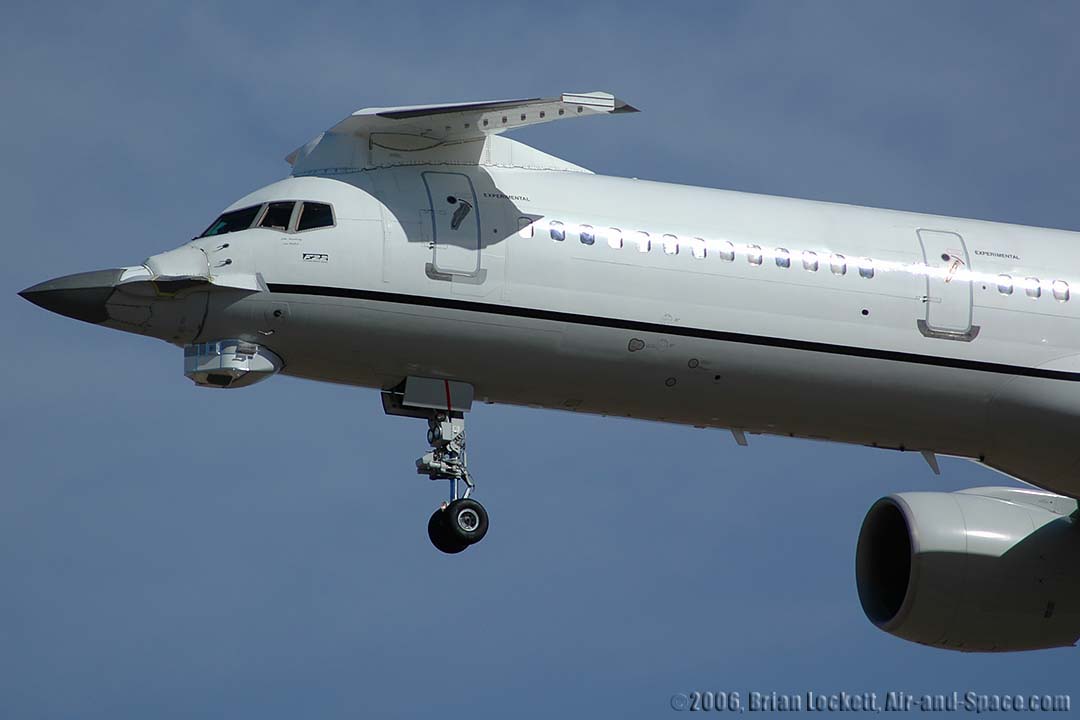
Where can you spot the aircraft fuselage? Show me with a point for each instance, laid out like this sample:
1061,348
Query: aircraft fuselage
757,313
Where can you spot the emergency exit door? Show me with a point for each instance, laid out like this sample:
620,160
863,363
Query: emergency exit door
455,223
948,298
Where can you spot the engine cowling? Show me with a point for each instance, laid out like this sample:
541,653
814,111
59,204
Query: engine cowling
980,570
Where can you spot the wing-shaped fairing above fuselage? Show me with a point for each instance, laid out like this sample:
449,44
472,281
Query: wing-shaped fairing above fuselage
458,133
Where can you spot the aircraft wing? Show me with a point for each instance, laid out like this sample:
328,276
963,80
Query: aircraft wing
417,128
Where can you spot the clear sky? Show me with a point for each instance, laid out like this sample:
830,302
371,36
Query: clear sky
168,551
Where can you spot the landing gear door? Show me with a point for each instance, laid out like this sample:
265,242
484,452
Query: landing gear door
948,299
455,224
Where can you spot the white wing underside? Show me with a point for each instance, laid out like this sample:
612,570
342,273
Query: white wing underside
461,134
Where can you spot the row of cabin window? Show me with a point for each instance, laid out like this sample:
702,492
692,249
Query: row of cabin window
1033,288
782,256
699,248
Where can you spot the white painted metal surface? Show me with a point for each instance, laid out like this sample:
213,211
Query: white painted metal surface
948,290
984,570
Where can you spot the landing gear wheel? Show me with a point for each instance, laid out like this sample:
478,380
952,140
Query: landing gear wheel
440,535
466,520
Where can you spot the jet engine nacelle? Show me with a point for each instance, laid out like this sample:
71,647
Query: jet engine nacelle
980,570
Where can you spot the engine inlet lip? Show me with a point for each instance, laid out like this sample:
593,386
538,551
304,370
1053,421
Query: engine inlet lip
888,612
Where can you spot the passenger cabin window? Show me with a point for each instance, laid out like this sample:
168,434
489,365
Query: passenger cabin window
1033,288
697,247
726,250
671,245
1005,285
783,258
838,264
232,221
557,232
587,236
614,238
641,239
525,227
866,268
277,216
1060,289
315,215
809,260
753,254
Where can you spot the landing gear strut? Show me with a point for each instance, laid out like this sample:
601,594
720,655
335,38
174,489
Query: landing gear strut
460,521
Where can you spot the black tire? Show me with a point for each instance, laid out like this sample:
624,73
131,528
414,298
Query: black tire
440,535
466,521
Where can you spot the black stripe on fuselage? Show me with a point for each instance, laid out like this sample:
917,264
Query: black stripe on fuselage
660,329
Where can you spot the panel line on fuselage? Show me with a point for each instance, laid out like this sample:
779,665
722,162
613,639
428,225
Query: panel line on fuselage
661,329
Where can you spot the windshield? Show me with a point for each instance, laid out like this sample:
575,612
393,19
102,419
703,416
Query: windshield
232,221
277,215
315,215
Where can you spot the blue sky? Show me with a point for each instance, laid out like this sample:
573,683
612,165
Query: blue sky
174,552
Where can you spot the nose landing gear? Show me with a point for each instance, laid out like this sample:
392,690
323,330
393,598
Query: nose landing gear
462,521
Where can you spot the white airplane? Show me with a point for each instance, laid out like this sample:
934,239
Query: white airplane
418,251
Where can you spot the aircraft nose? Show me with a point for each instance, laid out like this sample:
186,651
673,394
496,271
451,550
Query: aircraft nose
81,296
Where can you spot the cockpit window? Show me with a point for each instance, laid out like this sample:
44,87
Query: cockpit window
233,221
315,215
277,216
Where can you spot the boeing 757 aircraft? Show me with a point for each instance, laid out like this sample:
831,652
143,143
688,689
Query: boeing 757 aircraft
418,251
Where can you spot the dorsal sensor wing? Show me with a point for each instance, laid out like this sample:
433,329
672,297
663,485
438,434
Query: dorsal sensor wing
356,141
